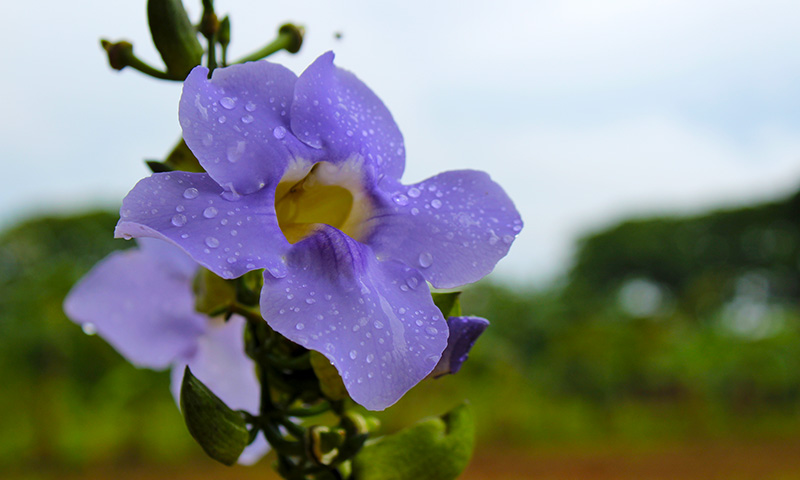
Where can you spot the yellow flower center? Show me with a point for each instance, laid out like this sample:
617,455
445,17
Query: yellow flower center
328,194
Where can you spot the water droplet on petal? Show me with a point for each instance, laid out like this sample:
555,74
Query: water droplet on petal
436,203
222,119
425,260
212,242
190,193
431,331
412,282
299,326
413,192
89,328
370,358
208,140
179,220
415,211
310,301
279,132
247,119
353,354
231,260
400,199
507,239
210,212
250,106
227,103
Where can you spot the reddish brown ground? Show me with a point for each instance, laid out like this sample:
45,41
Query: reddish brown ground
729,461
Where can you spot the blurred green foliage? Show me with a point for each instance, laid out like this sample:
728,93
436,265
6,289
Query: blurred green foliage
664,329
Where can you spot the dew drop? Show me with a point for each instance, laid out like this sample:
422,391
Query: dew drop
349,133
507,239
227,103
247,119
413,192
412,282
212,242
234,233
179,220
250,106
431,331
400,199
401,311
415,211
222,119
425,260
310,301
299,326
89,328
370,358
180,208
208,140
378,324
436,203
353,354
231,260
279,132
190,193
210,212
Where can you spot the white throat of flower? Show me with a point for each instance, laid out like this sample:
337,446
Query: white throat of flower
322,193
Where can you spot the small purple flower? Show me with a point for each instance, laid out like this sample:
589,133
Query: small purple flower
141,302
303,180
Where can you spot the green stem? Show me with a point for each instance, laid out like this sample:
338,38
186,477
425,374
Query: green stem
212,53
137,64
289,38
247,313
317,409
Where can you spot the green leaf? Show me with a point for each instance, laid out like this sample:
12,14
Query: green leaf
448,303
434,449
174,36
221,432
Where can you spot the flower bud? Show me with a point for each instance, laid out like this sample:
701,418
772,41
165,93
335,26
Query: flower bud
220,431
174,36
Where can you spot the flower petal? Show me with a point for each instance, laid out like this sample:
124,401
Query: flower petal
454,227
463,333
229,237
335,111
221,364
237,123
140,305
375,321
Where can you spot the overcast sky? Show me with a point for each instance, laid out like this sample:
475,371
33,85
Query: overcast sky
586,112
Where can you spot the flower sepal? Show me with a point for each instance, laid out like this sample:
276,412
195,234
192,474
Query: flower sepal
434,449
448,303
219,430
213,295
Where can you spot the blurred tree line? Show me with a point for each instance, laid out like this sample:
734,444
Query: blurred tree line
663,329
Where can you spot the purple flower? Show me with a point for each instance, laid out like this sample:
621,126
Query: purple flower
141,302
303,180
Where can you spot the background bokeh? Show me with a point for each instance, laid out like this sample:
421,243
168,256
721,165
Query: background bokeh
645,323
